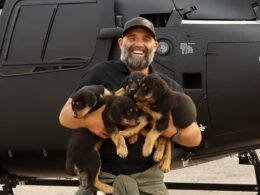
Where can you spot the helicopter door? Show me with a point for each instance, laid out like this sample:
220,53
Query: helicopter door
233,89
46,46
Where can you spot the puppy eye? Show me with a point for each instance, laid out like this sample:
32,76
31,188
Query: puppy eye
129,112
144,87
130,80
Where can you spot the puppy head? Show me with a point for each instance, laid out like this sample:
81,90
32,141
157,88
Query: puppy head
82,101
132,82
123,111
151,88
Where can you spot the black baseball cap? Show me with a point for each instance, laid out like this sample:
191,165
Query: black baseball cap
139,22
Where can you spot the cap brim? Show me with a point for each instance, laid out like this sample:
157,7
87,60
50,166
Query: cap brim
139,26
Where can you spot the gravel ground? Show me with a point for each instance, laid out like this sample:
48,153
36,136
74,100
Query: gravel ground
226,170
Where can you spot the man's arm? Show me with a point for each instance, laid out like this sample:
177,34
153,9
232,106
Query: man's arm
92,121
190,136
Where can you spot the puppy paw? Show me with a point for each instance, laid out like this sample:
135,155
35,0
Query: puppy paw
133,139
104,187
158,155
122,152
108,189
126,133
147,148
165,166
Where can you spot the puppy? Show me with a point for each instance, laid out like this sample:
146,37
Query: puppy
82,148
129,87
120,111
158,100
163,146
130,84
87,98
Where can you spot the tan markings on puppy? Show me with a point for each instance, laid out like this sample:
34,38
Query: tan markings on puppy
134,130
106,92
120,92
76,170
133,139
144,132
141,105
119,141
150,139
165,163
155,115
98,145
102,186
82,113
127,122
160,148
148,97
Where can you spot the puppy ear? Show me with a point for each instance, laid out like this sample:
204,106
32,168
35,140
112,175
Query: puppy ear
125,82
115,114
159,85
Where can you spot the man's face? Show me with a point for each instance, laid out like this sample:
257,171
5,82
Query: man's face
137,49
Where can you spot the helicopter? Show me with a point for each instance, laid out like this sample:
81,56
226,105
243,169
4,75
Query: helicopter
210,47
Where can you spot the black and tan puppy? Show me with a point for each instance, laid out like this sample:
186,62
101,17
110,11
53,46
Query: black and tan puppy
87,98
130,84
157,99
160,101
120,111
82,149
163,146
129,87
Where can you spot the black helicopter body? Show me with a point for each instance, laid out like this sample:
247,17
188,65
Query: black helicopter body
212,48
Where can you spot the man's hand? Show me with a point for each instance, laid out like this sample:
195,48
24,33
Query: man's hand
171,130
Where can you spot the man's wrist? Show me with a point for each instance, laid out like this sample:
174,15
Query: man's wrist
177,136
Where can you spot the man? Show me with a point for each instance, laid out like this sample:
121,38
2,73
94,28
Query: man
138,46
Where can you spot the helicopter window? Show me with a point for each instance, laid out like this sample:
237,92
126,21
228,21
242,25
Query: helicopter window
27,39
191,81
49,37
2,2
77,41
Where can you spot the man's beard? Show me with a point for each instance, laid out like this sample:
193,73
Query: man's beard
135,63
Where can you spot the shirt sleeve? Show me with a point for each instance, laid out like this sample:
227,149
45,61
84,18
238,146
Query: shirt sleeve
92,77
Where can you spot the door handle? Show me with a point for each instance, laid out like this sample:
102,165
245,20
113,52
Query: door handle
110,33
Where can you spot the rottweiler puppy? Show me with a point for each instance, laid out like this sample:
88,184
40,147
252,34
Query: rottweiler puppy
87,98
129,87
82,148
163,150
159,100
130,84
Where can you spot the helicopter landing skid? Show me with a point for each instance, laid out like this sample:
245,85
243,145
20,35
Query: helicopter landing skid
8,185
249,157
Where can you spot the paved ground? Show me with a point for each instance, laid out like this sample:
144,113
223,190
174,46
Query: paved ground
226,170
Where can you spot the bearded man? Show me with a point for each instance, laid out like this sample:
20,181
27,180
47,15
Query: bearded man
134,174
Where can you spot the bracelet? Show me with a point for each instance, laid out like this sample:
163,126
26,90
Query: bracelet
177,136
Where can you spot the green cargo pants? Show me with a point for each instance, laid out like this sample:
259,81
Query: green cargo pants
149,182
